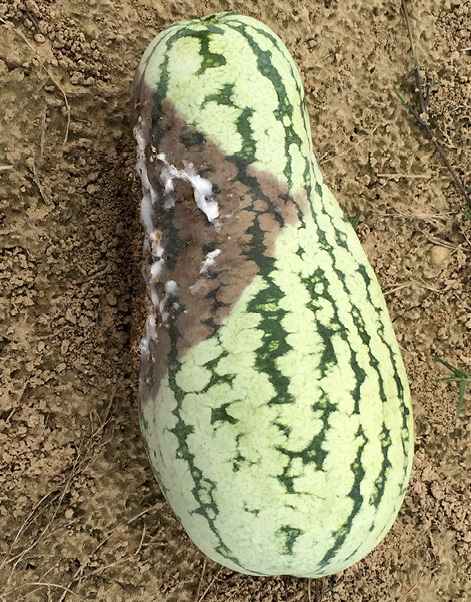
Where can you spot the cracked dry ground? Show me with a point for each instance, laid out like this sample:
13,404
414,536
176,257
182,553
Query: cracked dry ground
81,516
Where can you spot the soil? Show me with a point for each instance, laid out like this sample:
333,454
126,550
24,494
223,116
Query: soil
81,516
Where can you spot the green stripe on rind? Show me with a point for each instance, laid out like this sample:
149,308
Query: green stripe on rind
302,423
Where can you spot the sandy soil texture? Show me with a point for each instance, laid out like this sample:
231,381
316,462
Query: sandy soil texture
81,517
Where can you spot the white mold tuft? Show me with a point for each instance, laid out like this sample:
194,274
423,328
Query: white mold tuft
163,311
202,188
154,297
151,334
209,261
156,269
170,287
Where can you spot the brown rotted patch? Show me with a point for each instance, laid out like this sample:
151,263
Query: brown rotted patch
248,199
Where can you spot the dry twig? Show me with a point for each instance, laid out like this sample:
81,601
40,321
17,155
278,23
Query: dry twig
51,76
32,165
146,511
319,592
200,581
404,596
43,137
422,118
233,593
407,176
79,572
141,541
55,497
42,584
203,595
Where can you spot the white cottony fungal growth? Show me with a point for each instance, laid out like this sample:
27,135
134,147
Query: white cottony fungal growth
205,265
146,212
153,237
157,249
162,310
202,189
166,178
149,196
152,241
156,269
144,344
209,261
151,334
153,295
146,202
151,327
170,287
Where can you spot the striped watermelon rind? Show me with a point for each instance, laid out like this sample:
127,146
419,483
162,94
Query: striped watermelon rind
274,402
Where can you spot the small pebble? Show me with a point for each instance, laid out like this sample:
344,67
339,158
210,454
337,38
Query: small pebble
439,254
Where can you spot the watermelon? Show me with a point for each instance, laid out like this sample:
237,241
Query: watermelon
274,403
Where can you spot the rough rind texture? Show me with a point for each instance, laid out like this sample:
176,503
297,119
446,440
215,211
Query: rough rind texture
274,402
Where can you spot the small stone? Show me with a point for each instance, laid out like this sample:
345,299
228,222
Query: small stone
436,491
439,254
39,38
69,513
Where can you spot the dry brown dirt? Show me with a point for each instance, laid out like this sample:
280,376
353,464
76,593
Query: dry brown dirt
81,517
